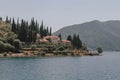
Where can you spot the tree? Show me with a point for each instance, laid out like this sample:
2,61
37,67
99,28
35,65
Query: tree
17,26
23,31
78,42
1,47
41,30
60,36
50,31
27,31
69,38
7,21
1,18
17,45
47,31
75,41
13,26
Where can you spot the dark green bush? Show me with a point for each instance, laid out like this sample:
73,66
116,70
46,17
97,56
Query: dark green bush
17,45
2,47
0,18
33,47
42,53
8,47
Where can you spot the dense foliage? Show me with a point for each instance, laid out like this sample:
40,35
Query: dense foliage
75,40
27,31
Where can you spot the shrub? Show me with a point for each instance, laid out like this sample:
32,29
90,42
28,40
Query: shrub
99,50
42,53
10,37
17,45
61,48
8,47
4,54
2,39
25,53
0,18
2,46
33,47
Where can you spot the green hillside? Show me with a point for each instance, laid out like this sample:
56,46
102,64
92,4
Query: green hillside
96,34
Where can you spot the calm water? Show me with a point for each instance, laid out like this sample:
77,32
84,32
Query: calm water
106,67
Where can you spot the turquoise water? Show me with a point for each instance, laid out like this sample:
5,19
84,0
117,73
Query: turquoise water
106,67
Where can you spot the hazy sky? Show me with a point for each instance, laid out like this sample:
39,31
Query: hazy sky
60,13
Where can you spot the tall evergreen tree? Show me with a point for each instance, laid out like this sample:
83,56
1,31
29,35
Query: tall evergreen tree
69,38
7,20
79,42
13,26
41,30
32,31
27,32
17,26
74,42
47,31
50,31
60,36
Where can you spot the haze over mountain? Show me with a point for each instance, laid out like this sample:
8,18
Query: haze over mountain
96,34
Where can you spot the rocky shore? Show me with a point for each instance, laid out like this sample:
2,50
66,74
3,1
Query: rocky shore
38,53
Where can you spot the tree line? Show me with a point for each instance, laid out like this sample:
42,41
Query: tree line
75,41
26,32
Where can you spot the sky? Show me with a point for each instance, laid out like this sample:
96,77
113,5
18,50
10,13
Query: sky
61,13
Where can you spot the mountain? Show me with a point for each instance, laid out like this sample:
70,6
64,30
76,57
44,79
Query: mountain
96,34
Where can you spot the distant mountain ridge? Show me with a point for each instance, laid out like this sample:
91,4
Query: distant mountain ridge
96,34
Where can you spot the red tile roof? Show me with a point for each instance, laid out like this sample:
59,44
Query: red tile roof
66,41
51,37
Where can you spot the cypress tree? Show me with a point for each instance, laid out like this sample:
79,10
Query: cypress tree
47,31
74,42
17,26
7,21
69,38
79,42
41,30
60,36
13,26
50,31
32,30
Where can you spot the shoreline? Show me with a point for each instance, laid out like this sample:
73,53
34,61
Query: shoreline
22,55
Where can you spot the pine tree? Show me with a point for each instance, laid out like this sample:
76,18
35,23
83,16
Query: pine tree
13,26
60,36
74,41
50,31
27,32
79,42
17,26
32,28
69,38
7,21
47,31
41,30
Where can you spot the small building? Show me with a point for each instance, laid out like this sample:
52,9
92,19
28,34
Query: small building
66,42
53,39
43,41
